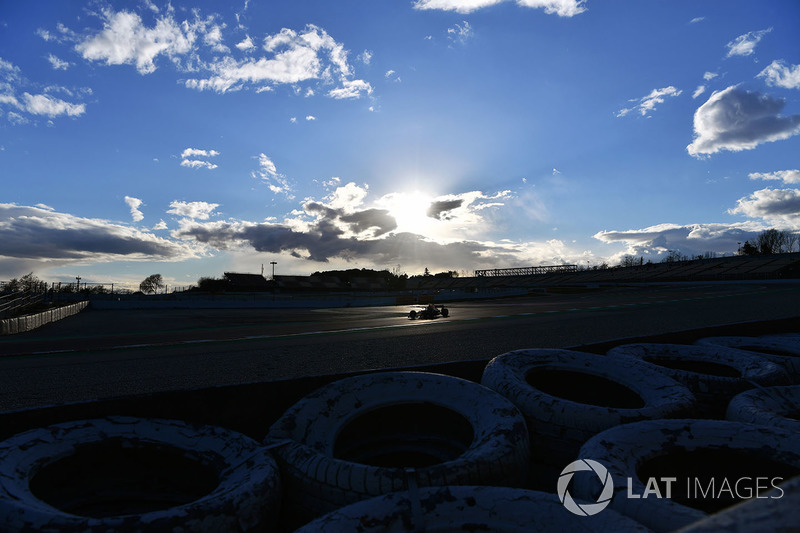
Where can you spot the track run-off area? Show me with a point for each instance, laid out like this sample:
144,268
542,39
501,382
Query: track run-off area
101,354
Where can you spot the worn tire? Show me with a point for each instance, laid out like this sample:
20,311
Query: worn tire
792,339
783,353
110,473
373,434
772,406
778,512
559,426
495,509
685,449
714,374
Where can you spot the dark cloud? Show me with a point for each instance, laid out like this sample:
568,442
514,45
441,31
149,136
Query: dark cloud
736,119
440,209
43,234
325,241
378,219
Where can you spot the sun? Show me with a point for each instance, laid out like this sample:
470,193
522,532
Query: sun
410,209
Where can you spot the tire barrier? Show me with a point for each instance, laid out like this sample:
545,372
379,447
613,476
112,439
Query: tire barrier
779,511
132,474
783,353
568,396
714,374
373,434
772,406
712,464
792,339
470,508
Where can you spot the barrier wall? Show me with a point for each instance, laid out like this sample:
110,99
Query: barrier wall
21,324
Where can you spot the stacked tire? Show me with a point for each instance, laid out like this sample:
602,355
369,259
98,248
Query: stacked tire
712,465
714,374
781,349
567,396
495,509
771,406
370,435
133,474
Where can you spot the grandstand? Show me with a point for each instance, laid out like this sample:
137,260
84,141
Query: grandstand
778,266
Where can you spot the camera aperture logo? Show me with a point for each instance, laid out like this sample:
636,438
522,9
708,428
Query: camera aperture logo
585,509
688,488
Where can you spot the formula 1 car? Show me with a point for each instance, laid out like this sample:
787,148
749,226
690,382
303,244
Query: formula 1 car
431,311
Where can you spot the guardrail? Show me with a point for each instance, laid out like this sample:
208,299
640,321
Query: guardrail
21,324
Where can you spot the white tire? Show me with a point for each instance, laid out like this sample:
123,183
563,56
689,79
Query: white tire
559,406
133,474
491,509
378,433
710,451
771,406
783,353
714,374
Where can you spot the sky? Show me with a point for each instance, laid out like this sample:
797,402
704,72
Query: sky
191,138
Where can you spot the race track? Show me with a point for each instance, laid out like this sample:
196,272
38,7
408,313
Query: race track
105,354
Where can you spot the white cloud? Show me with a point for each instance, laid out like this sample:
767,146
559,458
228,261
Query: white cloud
656,241
787,176
776,206
745,45
160,226
134,204
460,33
563,8
268,173
310,117
246,44
735,119
366,57
295,57
125,40
351,89
696,20
697,92
648,103
779,74
196,152
12,82
40,104
192,210
213,39
708,76
57,63
198,163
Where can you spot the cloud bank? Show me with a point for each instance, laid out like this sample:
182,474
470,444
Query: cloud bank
42,235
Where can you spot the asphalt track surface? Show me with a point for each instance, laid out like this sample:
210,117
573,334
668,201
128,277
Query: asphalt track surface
106,354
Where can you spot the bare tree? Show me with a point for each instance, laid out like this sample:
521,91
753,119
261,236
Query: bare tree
152,284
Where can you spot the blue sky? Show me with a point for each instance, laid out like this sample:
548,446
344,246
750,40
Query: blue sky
192,138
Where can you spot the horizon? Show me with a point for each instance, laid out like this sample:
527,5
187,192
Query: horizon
194,138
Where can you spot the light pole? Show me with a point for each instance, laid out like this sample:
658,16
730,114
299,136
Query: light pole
78,285
273,263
